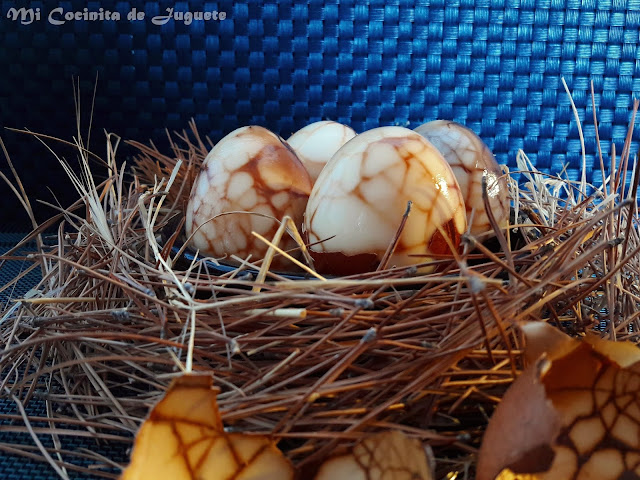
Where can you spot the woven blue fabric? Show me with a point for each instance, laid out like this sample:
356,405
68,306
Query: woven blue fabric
494,65
11,269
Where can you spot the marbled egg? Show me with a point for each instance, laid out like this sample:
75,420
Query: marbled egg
358,201
471,160
250,170
316,143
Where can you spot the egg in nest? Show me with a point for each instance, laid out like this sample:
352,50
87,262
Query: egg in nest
248,182
471,162
357,203
316,143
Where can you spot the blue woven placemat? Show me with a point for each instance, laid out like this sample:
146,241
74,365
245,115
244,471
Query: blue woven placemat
495,65
14,466
11,269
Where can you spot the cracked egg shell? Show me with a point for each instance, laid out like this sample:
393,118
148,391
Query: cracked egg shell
357,203
316,143
249,170
573,413
471,160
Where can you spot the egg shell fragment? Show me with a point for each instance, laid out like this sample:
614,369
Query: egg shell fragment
573,413
316,143
471,160
358,201
249,170
183,438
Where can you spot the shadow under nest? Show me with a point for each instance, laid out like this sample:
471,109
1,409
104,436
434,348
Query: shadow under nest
318,364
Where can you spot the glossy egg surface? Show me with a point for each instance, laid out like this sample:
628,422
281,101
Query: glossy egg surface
249,181
316,143
357,203
471,160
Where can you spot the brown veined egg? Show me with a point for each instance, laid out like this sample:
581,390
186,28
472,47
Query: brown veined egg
357,203
471,160
388,455
249,181
316,143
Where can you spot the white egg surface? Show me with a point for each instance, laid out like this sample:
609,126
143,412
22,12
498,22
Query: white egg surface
357,203
471,160
316,143
249,181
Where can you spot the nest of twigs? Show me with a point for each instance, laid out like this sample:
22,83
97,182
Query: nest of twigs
315,363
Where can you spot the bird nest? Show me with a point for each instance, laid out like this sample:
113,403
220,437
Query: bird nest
316,363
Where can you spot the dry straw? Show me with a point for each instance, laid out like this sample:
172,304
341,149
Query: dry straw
318,363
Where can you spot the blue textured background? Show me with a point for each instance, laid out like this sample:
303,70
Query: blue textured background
494,65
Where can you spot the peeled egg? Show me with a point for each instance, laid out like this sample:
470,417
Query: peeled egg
471,160
389,455
249,181
316,143
357,203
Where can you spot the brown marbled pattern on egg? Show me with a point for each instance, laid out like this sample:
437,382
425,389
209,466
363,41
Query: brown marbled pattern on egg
471,160
573,413
316,143
358,200
249,170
